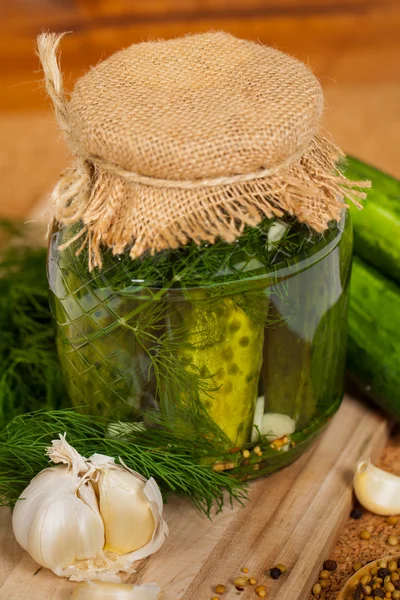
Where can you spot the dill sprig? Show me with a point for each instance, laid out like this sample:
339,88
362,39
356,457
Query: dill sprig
30,374
175,459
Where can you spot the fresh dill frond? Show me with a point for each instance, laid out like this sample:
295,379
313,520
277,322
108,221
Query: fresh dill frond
30,373
175,459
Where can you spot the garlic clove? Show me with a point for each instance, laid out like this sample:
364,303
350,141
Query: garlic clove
127,515
92,590
277,425
378,491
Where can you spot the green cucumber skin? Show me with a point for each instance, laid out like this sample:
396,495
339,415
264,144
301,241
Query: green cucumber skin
377,225
373,348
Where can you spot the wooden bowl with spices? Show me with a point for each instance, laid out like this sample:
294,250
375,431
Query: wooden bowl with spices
378,579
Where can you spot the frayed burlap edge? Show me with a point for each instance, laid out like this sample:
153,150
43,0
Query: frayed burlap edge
117,211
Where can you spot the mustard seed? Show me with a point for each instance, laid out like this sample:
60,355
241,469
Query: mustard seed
220,589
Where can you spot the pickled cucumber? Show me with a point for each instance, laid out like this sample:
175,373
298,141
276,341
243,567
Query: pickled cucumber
223,345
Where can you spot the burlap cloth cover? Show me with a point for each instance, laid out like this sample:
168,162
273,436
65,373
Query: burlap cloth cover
191,139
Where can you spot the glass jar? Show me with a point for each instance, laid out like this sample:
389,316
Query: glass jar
247,337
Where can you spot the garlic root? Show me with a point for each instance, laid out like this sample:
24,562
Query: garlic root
376,490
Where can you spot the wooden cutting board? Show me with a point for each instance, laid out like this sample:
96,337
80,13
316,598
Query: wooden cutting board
293,517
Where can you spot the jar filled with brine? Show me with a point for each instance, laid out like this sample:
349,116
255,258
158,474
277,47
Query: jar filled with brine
200,251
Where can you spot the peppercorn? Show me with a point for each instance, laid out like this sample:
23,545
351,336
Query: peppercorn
365,535
275,573
393,540
357,513
220,589
330,565
316,589
382,572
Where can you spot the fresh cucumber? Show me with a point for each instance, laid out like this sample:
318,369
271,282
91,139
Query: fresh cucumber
373,348
377,226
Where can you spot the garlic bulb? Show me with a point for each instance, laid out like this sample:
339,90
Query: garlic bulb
93,590
57,519
89,518
377,490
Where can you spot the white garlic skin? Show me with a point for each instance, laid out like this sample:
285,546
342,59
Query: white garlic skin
376,490
126,511
92,590
56,523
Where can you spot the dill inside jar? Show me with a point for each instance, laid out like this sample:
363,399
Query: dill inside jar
200,253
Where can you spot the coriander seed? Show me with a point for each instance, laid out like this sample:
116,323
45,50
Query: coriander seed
220,589
324,574
392,520
316,589
365,535
393,540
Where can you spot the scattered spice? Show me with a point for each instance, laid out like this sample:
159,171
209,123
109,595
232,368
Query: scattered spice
330,565
260,588
281,567
241,582
316,589
324,574
245,570
365,535
357,566
275,572
220,589
252,581
357,513
262,593
392,520
215,598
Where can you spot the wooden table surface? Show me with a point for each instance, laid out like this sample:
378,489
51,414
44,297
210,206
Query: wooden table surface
353,46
